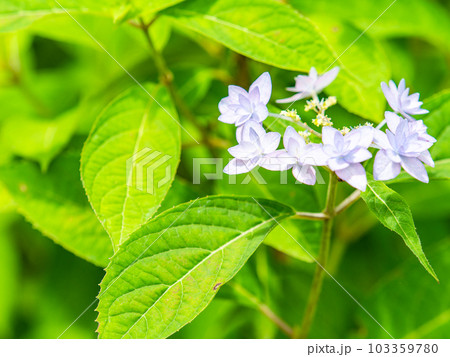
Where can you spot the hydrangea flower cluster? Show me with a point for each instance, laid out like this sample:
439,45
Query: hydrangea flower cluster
404,144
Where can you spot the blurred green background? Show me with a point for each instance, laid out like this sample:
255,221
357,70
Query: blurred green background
55,80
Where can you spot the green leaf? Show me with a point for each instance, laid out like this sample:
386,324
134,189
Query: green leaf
296,238
180,192
141,131
193,83
291,41
17,14
135,8
441,171
364,65
160,32
56,205
171,268
418,18
394,213
438,123
296,233
38,139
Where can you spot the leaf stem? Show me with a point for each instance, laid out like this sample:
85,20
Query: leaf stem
312,216
319,273
379,126
263,308
346,203
299,123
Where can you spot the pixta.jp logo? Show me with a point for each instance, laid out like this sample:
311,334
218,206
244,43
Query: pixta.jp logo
148,169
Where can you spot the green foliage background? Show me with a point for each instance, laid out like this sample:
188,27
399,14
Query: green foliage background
60,71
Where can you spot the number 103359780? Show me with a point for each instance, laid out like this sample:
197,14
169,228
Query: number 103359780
403,348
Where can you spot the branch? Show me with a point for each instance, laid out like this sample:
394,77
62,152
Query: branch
348,202
321,261
311,216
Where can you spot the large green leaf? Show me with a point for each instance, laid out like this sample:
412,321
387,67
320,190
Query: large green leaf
418,18
393,212
275,33
16,14
130,159
56,205
293,237
171,268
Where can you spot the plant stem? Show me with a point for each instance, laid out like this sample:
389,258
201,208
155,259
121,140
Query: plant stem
299,123
319,273
166,76
312,216
346,203
266,310
379,126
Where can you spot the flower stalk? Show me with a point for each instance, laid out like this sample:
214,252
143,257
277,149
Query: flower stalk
319,273
299,123
311,216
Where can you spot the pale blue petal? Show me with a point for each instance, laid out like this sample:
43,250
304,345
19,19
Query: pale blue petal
243,132
337,163
354,175
384,168
358,155
313,154
426,158
360,137
295,97
325,79
304,174
243,151
270,142
237,166
235,91
415,168
392,121
380,139
264,85
331,135
279,160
